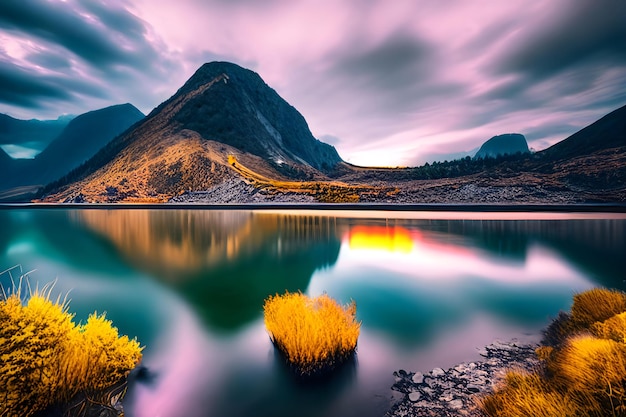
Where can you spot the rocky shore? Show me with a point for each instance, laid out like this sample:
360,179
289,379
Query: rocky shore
443,191
452,392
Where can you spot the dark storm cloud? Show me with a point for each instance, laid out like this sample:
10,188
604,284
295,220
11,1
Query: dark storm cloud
109,36
76,51
62,26
577,45
23,88
395,75
392,65
50,60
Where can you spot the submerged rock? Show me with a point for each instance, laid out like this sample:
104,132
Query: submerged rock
451,393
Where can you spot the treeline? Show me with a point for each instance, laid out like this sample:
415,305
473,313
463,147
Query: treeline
465,166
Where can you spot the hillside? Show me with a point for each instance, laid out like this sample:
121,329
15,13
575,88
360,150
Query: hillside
609,132
81,139
224,124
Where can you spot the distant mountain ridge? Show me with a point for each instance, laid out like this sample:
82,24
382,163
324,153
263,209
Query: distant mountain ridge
83,136
23,132
506,144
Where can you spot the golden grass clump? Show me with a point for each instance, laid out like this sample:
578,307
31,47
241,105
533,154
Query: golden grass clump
613,328
594,368
583,376
315,334
596,305
526,394
47,360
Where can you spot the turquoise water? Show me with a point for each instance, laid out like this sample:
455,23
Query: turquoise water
430,289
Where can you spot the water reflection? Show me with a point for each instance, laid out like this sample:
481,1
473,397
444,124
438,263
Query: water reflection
224,263
191,284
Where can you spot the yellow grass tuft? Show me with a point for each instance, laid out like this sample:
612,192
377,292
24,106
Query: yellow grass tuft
584,376
595,305
315,335
46,359
526,394
593,367
613,328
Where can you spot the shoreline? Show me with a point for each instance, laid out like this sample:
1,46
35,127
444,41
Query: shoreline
452,392
609,208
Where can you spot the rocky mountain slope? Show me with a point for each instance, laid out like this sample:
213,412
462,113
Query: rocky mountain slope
224,123
507,144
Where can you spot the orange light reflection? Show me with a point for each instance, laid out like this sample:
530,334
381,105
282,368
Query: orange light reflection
391,239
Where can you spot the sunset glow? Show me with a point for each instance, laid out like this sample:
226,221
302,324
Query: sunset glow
391,239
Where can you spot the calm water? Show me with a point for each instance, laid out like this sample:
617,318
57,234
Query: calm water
190,285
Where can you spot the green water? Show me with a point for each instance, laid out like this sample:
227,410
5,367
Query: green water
190,285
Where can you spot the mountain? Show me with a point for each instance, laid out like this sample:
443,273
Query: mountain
81,139
507,144
36,133
223,123
606,133
242,111
78,141
6,163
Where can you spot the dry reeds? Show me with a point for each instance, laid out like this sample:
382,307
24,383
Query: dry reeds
583,376
315,335
46,359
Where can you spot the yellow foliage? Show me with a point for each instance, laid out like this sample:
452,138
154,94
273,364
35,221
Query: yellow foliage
584,377
315,335
46,359
595,367
613,328
598,304
525,394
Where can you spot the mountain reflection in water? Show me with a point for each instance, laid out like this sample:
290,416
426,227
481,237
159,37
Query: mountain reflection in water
190,284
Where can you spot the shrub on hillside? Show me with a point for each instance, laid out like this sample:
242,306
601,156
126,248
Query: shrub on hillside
315,335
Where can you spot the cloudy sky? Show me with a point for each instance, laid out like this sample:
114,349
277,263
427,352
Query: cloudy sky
387,82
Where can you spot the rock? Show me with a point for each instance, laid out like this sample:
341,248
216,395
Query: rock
418,378
449,393
414,396
456,404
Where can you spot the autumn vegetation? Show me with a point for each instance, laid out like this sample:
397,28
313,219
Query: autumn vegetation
49,362
583,370
315,335
322,191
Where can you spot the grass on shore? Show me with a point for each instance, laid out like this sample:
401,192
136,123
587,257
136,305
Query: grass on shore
322,191
583,372
315,335
48,361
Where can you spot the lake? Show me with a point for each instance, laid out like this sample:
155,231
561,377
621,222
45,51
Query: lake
430,288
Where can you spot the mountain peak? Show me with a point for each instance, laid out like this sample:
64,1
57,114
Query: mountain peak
211,71
233,105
